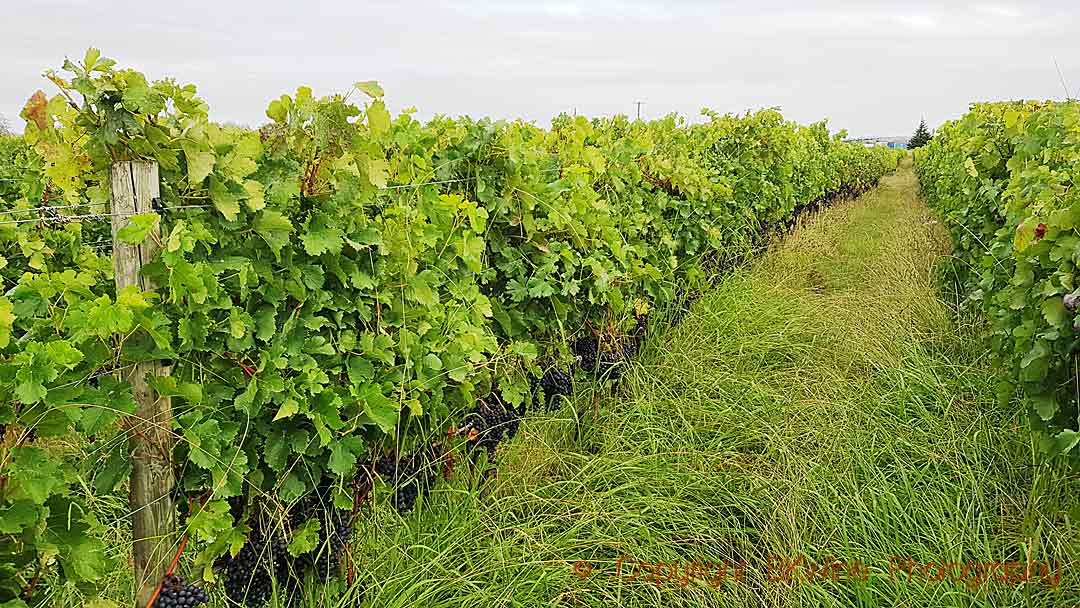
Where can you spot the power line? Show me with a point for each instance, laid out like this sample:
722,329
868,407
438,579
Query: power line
1062,77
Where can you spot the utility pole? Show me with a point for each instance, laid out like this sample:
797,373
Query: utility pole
639,104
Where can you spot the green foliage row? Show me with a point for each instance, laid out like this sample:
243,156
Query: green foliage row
1004,178
343,283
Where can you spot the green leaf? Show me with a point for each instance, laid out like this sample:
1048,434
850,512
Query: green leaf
82,556
90,58
34,476
527,350
433,362
274,228
323,240
225,200
289,408
381,410
170,386
420,289
116,469
1065,441
17,516
472,251
63,354
969,166
200,161
342,460
1045,405
1054,311
378,172
7,320
265,323
370,88
256,196
305,539
378,118
360,370
278,110
134,233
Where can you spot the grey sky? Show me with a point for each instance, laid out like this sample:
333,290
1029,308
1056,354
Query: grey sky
872,67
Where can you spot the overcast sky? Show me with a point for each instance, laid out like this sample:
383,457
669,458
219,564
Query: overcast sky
872,67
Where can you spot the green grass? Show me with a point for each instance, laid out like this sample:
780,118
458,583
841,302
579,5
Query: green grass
823,401
826,400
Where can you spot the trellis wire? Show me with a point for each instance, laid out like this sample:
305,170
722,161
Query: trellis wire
47,208
89,216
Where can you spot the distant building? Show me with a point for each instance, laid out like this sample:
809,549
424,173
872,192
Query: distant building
896,143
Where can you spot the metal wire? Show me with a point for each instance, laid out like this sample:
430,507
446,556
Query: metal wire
61,219
188,207
71,218
445,181
49,208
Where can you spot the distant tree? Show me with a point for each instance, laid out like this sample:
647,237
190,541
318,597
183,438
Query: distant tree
5,128
921,137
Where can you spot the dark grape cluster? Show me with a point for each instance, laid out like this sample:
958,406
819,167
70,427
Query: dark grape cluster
493,421
641,330
176,593
587,351
249,575
410,476
555,383
265,558
334,532
405,496
685,300
628,349
609,361
236,508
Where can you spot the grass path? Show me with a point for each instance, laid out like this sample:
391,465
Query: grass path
823,402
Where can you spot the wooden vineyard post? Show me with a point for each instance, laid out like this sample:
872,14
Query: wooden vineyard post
135,187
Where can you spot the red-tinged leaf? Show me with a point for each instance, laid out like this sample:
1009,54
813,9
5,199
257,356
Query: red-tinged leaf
36,110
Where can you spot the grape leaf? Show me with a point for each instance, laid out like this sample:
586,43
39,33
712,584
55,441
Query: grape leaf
17,515
381,410
305,538
370,88
7,319
323,240
138,226
34,476
378,118
275,229
342,460
200,161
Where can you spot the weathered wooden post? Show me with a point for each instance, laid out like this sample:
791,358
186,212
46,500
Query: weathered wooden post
135,186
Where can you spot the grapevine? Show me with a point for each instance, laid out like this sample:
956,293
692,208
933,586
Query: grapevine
337,281
1003,181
